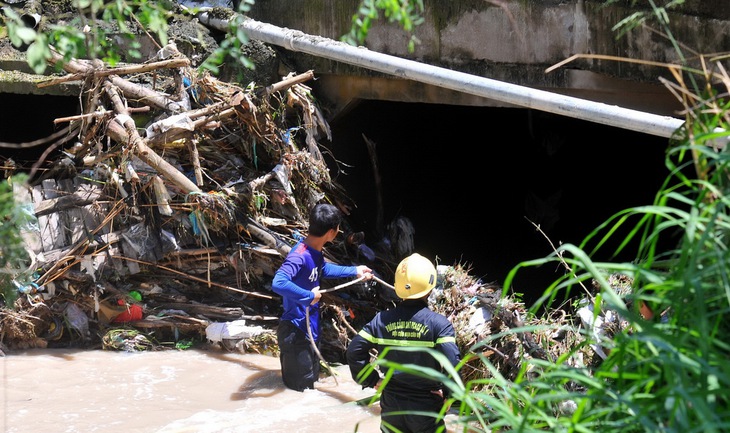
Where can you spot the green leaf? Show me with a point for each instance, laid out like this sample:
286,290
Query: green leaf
26,34
83,4
37,55
12,32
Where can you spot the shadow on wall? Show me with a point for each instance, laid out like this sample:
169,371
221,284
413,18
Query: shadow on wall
543,212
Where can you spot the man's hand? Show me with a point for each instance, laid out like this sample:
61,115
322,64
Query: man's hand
317,295
364,271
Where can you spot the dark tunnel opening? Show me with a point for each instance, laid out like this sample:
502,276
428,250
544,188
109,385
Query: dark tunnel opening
468,177
26,118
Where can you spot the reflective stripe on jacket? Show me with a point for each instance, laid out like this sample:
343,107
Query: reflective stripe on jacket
409,324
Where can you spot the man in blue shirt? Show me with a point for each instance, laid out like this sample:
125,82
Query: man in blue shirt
297,281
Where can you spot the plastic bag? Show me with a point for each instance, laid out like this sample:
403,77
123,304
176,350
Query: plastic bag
77,319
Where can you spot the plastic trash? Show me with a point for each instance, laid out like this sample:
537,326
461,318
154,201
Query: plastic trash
282,175
169,242
140,238
175,122
132,313
28,288
77,319
235,330
480,319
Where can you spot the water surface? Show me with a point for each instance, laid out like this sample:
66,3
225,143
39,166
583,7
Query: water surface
55,391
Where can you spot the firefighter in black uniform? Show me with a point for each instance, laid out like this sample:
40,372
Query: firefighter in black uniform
410,324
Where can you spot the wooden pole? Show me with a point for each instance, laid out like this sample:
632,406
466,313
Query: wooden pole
140,147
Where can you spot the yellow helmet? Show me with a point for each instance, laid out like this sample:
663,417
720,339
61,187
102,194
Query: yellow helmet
414,277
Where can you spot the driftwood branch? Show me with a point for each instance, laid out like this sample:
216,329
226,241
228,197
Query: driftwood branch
69,130
269,239
141,149
135,69
285,84
97,114
260,181
195,159
86,194
130,90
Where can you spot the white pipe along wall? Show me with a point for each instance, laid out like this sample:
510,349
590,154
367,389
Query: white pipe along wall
612,115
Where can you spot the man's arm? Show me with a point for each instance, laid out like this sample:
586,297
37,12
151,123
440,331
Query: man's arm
447,344
283,285
331,270
358,357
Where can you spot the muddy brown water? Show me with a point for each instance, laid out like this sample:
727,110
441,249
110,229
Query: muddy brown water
55,391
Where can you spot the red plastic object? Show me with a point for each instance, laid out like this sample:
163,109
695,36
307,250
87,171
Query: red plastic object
134,312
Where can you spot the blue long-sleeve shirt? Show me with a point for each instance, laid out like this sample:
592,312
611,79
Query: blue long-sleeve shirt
299,274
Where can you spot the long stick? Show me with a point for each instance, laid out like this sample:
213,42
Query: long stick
309,326
316,349
349,283
342,286
139,146
172,63
193,277
129,89
70,130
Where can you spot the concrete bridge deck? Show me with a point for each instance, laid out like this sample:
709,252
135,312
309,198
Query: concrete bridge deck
509,41
514,42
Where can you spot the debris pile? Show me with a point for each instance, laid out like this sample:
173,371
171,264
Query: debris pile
174,200
187,194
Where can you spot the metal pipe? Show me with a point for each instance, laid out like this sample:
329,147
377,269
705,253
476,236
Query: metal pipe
31,15
612,115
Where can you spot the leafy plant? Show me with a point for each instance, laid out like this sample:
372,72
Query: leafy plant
13,256
91,33
96,29
667,373
232,45
670,373
408,14
22,35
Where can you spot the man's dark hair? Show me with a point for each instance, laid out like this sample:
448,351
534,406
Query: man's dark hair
322,218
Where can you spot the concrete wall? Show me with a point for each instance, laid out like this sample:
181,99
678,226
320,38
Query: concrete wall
516,41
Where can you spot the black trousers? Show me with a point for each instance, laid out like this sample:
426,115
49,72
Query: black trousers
299,361
391,402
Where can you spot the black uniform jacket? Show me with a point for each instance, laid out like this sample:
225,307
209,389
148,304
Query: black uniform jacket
409,324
